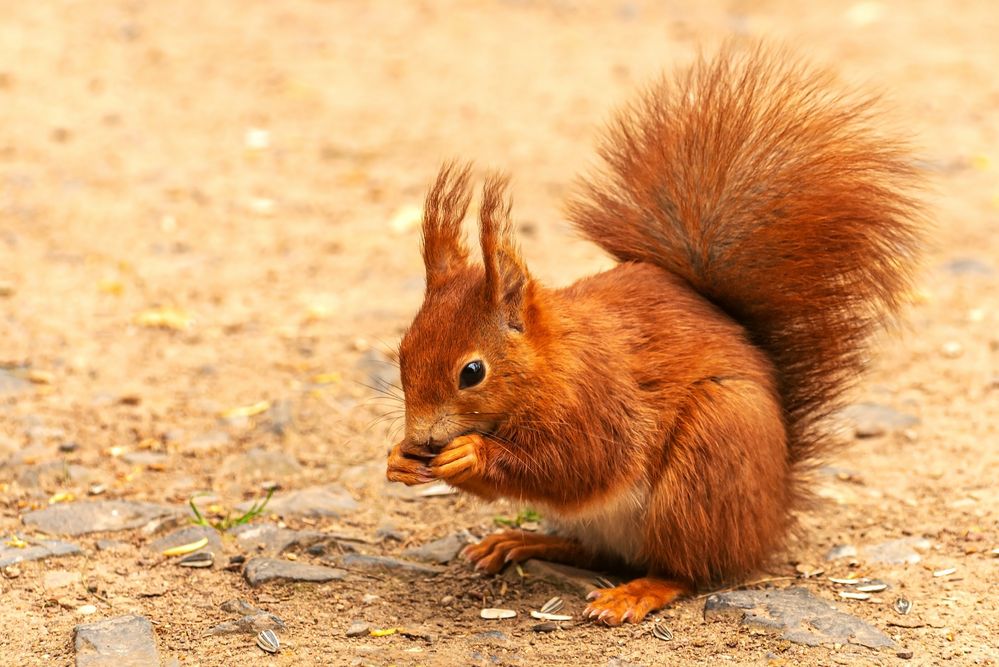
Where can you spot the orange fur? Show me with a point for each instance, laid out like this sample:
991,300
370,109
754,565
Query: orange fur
663,413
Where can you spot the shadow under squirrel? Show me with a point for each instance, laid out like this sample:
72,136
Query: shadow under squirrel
663,415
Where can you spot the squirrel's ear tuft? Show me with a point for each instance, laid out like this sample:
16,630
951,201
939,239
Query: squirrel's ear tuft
445,208
507,277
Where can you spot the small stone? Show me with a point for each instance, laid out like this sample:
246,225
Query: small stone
55,474
209,441
841,551
240,607
548,626
358,629
870,420
440,551
905,654
896,552
97,516
68,447
12,383
331,501
797,615
968,266
114,546
87,609
368,562
56,579
268,539
952,349
388,531
279,418
262,570
36,551
260,464
491,637
252,623
144,458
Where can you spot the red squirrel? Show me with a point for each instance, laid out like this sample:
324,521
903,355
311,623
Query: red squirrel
663,415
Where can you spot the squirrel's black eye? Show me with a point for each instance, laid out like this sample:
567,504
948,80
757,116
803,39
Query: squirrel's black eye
472,374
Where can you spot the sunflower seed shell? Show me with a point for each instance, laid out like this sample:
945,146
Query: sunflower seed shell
854,596
543,616
495,614
198,559
660,631
268,641
552,606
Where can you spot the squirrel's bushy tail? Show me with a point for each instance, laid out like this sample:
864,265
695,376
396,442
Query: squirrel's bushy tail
776,197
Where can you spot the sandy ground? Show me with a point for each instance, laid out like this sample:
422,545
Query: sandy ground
252,166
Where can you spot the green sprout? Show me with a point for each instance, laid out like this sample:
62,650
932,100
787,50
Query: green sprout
526,515
228,521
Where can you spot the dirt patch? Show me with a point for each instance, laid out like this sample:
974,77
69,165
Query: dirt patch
206,247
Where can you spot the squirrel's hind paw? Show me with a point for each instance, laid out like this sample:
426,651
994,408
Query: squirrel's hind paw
632,601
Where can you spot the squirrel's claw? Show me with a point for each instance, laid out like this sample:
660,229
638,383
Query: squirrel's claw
631,602
409,471
495,551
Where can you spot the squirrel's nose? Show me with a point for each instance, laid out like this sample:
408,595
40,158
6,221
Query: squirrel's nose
435,444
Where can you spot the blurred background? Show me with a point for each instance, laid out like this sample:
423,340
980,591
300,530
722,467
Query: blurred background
209,238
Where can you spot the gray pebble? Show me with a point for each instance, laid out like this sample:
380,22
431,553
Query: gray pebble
358,629
95,516
797,614
263,570
125,641
36,551
366,561
440,551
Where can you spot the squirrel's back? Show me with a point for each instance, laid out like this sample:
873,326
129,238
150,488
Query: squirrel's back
777,197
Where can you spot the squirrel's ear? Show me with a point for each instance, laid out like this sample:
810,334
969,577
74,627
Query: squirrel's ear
445,207
507,277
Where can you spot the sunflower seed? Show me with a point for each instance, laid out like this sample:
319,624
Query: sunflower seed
494,614
854,596
846,582
544,616
872,588
552,606
660,631
902,606
198,559
944,573
603,582
268,641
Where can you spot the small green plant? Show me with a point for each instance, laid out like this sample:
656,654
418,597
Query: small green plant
526,515
228,521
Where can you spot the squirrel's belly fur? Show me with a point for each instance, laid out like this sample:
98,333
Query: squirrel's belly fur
612,528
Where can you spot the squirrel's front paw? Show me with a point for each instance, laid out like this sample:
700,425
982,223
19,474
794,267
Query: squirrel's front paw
407,469
460,460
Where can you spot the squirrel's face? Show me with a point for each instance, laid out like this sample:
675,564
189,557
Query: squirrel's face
464,358
458,362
